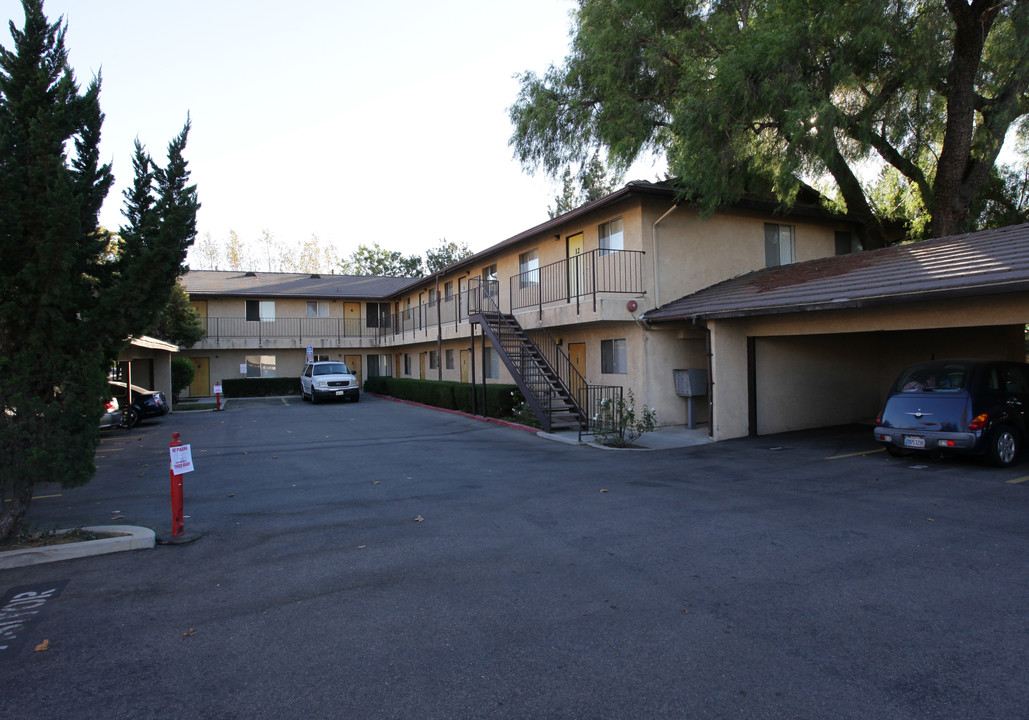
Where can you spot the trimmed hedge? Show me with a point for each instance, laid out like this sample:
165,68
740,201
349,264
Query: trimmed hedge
260,387
500,399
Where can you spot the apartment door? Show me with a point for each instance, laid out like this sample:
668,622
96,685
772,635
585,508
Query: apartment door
464,366
577,355
575,265
354,365
421,366
351,319
201,385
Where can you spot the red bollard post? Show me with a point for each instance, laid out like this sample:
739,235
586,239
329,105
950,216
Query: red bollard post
218,401
178,528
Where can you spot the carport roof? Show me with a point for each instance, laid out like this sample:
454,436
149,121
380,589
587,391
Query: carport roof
979,263
236,283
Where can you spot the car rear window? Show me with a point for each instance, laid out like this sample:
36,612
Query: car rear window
330,369
933,377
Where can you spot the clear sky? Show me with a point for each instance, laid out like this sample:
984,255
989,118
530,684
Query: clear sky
358,122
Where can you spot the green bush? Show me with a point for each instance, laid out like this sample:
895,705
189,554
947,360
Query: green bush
260,387
182,374
500,399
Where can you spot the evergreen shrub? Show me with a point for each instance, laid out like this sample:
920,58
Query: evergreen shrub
500,399
260,387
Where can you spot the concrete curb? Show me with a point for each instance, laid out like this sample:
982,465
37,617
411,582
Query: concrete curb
130,537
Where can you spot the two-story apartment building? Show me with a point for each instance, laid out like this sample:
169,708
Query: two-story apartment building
565,298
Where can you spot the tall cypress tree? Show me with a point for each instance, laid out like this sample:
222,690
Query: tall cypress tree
67,303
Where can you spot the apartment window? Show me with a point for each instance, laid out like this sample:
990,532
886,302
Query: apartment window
612,357
317,309
449,358
433,360
376,315
432,297
779,245
260,310
489,272
529,268
260,366
407,364
846,243
492,362
448,289
611,237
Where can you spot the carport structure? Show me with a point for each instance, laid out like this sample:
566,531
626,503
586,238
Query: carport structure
818,343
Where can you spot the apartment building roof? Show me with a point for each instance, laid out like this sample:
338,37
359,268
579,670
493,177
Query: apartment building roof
979,263
808,204
237,283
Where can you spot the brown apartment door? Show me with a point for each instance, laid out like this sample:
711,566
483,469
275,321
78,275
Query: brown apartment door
354,366
464,366
351,319
577,355
201,385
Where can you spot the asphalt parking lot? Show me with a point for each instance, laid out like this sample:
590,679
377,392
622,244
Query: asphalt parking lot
382,560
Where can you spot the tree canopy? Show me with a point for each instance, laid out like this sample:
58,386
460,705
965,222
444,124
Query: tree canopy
445,254
378,261
592,182
68,301
752,95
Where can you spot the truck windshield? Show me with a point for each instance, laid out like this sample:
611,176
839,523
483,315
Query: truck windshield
331,369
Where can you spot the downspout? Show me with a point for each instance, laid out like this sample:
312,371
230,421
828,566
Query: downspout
657,278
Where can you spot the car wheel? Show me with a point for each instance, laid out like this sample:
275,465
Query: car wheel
314,397
357,397
129,418
1003,446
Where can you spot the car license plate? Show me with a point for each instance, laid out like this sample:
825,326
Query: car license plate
340,392
914,441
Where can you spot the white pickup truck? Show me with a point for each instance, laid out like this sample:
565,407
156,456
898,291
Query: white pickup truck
326,380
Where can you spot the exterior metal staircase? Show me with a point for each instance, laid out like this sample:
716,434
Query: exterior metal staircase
552,387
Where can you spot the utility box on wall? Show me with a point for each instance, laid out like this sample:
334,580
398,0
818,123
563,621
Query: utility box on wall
690,384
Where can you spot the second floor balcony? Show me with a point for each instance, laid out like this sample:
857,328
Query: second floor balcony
578,281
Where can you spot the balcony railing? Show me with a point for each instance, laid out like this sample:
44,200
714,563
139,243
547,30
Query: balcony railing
579,279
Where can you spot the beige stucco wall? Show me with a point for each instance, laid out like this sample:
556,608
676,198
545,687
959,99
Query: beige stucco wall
687,253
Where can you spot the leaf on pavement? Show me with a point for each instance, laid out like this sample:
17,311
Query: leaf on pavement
419,518
43,646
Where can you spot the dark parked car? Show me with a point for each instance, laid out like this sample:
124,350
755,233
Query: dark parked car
112,416
145,403
958,406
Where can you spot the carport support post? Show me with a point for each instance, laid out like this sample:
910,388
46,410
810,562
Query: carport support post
178,528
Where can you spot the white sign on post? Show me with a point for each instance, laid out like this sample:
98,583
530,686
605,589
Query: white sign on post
218,389
181,459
